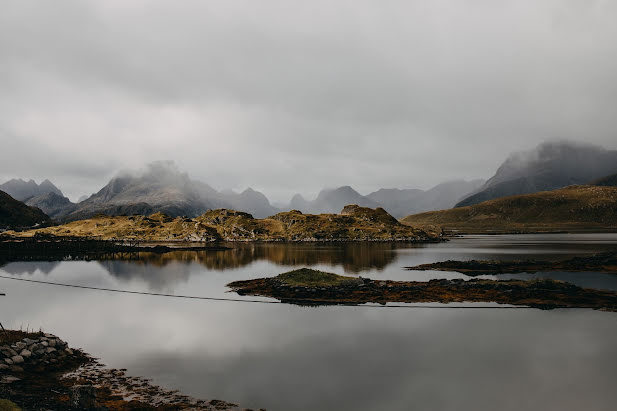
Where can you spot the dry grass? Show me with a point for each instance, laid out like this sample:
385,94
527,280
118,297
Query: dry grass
570,208
228,225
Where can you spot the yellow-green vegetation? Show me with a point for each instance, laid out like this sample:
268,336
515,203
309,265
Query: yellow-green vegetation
306,277
157,227
354,224
571,208
6,405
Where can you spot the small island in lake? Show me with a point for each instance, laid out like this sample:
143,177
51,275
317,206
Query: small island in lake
602,262
311,287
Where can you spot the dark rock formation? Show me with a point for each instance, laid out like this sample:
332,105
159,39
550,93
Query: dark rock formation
15,214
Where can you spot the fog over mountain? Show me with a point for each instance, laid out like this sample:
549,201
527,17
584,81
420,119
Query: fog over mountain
161,186
291,98
549,166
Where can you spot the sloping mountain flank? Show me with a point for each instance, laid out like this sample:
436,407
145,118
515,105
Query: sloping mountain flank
54,205
549,166
15,214
605,181
567,209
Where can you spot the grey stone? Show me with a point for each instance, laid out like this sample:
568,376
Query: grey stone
40,352
7,379
68,351
28,341
44,343
16,368
18,359
20,345
3,367
52,343
50,350
34,347
8,361
25,353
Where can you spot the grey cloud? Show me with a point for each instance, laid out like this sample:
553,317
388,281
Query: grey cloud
291,97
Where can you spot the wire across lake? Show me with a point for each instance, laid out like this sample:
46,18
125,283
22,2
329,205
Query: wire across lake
242,300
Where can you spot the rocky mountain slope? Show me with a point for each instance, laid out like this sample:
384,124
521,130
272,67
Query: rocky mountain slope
571,208
549,166
15,214
54,205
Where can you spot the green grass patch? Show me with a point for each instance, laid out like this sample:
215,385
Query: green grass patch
305,277
6,405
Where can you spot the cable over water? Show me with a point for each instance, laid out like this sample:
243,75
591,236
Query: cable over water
242,300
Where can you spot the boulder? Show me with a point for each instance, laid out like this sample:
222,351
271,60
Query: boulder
18,359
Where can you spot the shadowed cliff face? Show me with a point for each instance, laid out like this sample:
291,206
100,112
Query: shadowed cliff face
14,213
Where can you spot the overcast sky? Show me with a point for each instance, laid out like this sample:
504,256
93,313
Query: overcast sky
289,96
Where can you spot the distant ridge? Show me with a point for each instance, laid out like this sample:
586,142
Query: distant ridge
22,190
398,202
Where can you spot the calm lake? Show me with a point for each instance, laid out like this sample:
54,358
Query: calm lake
285,357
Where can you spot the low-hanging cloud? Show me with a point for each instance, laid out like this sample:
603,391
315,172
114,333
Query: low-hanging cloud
291,97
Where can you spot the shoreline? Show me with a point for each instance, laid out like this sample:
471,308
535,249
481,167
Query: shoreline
46,374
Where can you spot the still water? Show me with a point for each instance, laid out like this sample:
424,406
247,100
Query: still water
284,357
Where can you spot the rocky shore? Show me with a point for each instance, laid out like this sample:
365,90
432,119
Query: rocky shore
603,262
38,371
311,287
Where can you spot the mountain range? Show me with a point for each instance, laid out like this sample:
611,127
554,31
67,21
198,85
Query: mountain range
162,187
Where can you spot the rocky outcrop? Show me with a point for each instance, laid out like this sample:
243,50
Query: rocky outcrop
357,224
310,287
44,351
41,372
